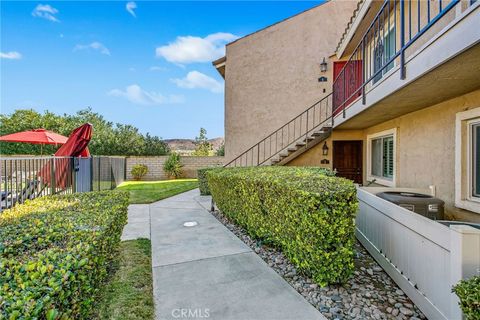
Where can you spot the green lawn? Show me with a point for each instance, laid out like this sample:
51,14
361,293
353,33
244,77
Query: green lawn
151,191
129,294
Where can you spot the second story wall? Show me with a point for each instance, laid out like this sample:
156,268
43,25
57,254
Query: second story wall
272,75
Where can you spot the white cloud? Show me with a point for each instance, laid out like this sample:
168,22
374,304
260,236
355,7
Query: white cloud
190,49
195,79
131,6
45,11
93,46
135,94
12,55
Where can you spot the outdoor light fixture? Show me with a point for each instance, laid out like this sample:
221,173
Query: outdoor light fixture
325,149
323,65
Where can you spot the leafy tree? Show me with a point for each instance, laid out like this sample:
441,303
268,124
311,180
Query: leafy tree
221,151
108,138
202,146
155,146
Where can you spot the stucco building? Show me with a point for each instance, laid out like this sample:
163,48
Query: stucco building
387,94
274,75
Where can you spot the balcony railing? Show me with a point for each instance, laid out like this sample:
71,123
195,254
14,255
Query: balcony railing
315,117
397,25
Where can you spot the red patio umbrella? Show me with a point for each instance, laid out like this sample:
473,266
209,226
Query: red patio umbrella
35,136
76,146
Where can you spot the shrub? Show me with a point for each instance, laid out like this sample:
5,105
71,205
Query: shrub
468,291
306,212
139,171
55,252
173,166
202,180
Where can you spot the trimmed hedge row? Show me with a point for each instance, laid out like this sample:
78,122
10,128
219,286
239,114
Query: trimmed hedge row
202,180
307,212
55,252
468,292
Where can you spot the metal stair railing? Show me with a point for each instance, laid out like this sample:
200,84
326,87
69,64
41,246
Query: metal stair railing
297,130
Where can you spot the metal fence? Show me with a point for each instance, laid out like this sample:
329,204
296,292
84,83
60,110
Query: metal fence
23,178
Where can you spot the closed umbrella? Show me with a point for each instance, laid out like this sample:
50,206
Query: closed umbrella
76,146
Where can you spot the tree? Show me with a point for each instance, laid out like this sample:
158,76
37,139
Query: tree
202,146
221,150
108,138
154,146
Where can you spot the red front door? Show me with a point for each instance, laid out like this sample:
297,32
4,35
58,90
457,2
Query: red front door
346,88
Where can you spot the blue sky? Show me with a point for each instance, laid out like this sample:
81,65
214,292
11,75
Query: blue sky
143,63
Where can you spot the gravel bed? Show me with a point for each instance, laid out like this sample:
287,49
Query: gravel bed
369,294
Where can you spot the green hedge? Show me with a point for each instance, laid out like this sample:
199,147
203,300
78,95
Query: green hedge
202,180
307,212
469,293
55,252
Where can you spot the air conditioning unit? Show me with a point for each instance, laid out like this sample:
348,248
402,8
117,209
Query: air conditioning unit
423,204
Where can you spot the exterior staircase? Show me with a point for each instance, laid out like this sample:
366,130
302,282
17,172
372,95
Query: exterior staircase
298,135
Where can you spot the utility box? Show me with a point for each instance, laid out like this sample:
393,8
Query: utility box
423,204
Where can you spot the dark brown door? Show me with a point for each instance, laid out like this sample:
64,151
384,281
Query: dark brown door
347,160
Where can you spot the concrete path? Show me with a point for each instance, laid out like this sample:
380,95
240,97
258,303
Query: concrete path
205,271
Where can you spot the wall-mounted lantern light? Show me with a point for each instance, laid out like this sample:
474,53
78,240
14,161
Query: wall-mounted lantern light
323,66
325,149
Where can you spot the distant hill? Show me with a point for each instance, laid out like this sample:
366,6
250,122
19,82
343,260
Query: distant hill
187,146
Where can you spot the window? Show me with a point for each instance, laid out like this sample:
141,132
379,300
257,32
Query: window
381,157
475,164
383,52
467,160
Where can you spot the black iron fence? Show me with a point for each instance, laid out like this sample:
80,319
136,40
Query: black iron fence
23,178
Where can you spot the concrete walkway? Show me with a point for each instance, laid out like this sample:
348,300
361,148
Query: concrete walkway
205,271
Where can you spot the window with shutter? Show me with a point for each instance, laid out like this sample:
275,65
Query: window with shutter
476,159
382,157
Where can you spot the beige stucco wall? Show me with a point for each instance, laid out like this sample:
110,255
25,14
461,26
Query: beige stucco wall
272,75
425,150
314,156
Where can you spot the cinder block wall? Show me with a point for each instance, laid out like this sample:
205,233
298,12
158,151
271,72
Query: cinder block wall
155,166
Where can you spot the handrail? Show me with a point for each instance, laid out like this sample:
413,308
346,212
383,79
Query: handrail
298,127
377,50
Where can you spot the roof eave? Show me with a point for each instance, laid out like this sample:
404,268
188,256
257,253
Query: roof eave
352,26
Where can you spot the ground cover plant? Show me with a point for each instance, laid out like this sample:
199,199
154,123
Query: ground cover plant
151,191
128,295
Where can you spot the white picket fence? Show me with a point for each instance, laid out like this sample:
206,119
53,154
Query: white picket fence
424,257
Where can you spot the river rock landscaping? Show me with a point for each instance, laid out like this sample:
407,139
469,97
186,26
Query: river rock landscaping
369,293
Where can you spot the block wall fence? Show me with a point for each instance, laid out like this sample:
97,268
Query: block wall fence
155,166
